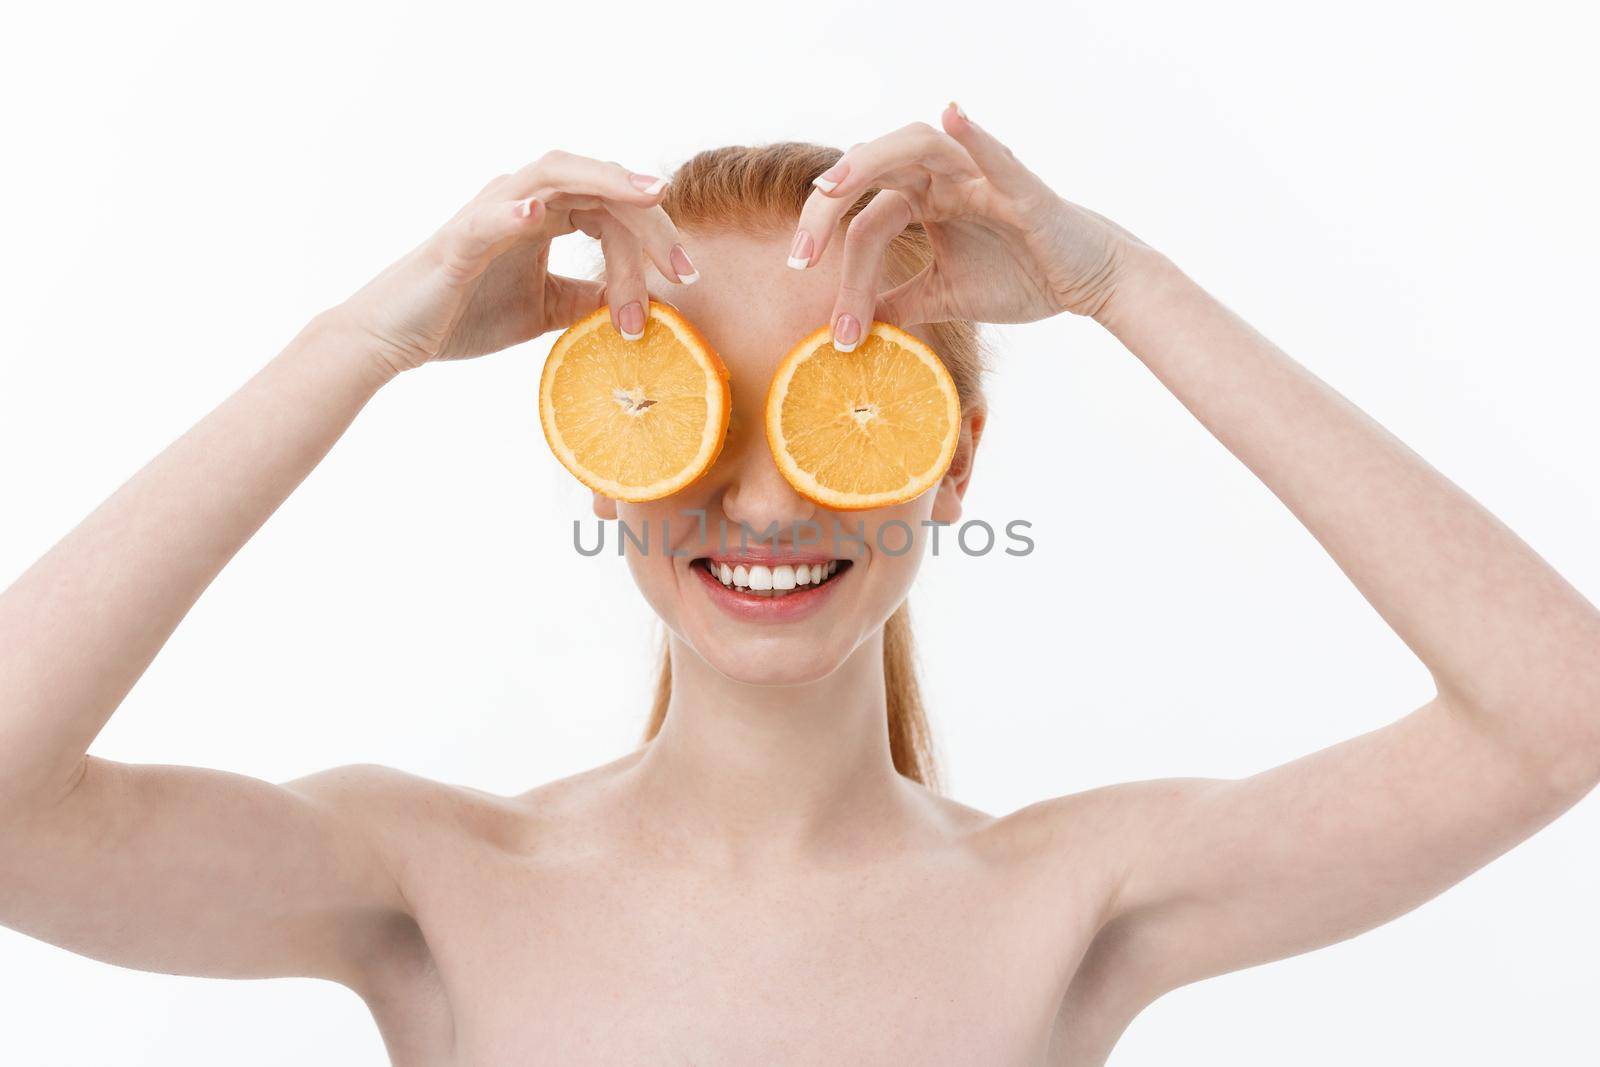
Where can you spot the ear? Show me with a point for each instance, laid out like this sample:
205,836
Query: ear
947,504
604,507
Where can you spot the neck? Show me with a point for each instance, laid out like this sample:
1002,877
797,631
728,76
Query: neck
744,768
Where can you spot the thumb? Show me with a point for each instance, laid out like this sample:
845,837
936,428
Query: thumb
569,299
912,302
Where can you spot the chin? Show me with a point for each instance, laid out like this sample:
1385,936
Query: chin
768,661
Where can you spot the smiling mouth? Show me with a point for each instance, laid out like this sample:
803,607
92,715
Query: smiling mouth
772,581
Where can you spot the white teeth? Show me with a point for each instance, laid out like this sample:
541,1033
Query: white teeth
760,580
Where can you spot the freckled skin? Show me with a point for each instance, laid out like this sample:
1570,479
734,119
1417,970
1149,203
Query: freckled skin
757,885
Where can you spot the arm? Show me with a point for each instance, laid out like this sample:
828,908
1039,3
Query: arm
1232,873
207,873
173,868
1219,875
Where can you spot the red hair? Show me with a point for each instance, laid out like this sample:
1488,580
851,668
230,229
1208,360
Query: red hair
762,189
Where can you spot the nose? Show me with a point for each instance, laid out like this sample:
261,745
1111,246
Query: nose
754,492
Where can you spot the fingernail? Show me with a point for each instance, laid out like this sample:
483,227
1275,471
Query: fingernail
683,266
962,115
630,321
829,179
526,208
800,252
647,184
846,333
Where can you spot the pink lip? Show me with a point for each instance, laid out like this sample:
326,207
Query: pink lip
794,606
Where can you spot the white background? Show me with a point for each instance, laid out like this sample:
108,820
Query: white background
1401,194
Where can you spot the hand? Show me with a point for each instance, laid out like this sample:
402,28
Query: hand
1005,247
481,283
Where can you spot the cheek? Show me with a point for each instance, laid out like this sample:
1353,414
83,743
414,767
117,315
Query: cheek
639,534
896,542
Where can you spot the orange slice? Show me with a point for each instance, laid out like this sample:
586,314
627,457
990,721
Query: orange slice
634,420
863,429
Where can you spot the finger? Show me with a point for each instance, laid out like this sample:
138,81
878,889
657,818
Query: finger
912,156
1003,169
490,191
912,301
467,244
569,299
564,181
559,202
865,241
563,172
660,246
589,222
625,288
917,145
490,188
659,238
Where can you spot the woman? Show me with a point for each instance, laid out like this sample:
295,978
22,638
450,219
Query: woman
768,880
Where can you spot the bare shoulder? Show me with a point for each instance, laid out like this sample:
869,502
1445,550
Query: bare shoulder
1085,841
403,814
408,812
370,791
1077,827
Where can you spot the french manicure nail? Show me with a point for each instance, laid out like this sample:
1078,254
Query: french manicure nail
647,184
846,333
525,208
683,266
960,114
630,321
800,252
829,179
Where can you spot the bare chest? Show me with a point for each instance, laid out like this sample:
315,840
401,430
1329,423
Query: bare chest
595,963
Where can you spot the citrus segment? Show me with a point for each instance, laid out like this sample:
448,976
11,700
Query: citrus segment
863,429
634,420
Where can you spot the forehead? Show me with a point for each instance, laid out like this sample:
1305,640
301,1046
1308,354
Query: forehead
749,303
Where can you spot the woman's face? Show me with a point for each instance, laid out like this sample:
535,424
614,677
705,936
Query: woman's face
752,308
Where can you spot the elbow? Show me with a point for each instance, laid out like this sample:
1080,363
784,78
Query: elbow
1556,774
1580,766
1568,746
1585,774
1571,752
1573,775
1550,736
